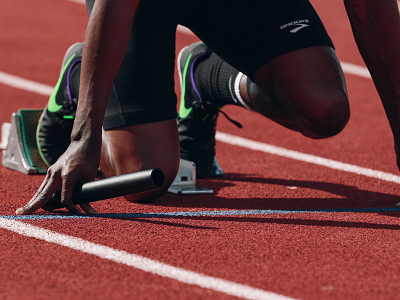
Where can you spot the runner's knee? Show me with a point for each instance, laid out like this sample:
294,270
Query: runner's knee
142,147
326,117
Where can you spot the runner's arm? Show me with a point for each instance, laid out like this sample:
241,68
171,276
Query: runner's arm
376,29
106,41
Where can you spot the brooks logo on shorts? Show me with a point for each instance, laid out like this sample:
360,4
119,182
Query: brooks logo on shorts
300,24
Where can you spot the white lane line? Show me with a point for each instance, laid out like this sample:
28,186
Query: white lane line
355,70
185,30
249,144
141,263
79,1
25,84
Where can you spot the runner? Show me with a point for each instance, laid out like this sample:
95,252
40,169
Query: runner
273,57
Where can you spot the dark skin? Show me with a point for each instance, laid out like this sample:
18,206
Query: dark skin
303,90
110,21
376,29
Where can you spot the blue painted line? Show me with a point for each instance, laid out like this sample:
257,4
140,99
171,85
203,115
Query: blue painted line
214,213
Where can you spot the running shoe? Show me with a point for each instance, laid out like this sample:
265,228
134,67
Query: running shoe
54,129
197,117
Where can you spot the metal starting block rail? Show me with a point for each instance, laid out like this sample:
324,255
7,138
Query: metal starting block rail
20,153
185,181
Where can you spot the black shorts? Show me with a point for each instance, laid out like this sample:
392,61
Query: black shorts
245,33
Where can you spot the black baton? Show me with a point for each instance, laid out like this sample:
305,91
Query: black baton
111,187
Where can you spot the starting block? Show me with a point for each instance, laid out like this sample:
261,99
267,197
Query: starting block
185,181
18,140
20,153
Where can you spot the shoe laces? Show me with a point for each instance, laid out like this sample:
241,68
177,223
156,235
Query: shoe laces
230,119
219,110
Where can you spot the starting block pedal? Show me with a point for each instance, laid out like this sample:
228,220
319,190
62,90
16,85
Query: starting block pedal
20,153
185,181
19,143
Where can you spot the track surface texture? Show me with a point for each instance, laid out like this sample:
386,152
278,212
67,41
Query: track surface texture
280,225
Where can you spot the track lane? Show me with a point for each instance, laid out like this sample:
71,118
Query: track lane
141,263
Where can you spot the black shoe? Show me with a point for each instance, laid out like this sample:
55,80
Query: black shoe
197,118
56,122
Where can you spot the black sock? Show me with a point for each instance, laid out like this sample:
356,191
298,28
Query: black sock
217,81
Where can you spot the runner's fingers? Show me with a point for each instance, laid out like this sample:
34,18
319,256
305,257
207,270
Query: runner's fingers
73,208
66,199
41,197
66,194
87,208
49,177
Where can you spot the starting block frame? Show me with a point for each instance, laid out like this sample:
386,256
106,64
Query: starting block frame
20,150
185,181
20,153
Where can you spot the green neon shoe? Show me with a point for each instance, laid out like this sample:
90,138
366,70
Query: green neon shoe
197,118
53,134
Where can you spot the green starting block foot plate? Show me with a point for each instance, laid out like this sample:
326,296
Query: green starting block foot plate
19,140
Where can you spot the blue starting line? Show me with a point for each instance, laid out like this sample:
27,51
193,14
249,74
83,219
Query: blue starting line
214,213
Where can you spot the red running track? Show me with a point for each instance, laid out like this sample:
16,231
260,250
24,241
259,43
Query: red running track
275,228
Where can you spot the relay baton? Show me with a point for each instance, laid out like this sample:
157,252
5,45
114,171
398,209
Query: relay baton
111,187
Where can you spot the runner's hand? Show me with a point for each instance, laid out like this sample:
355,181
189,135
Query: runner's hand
79,163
